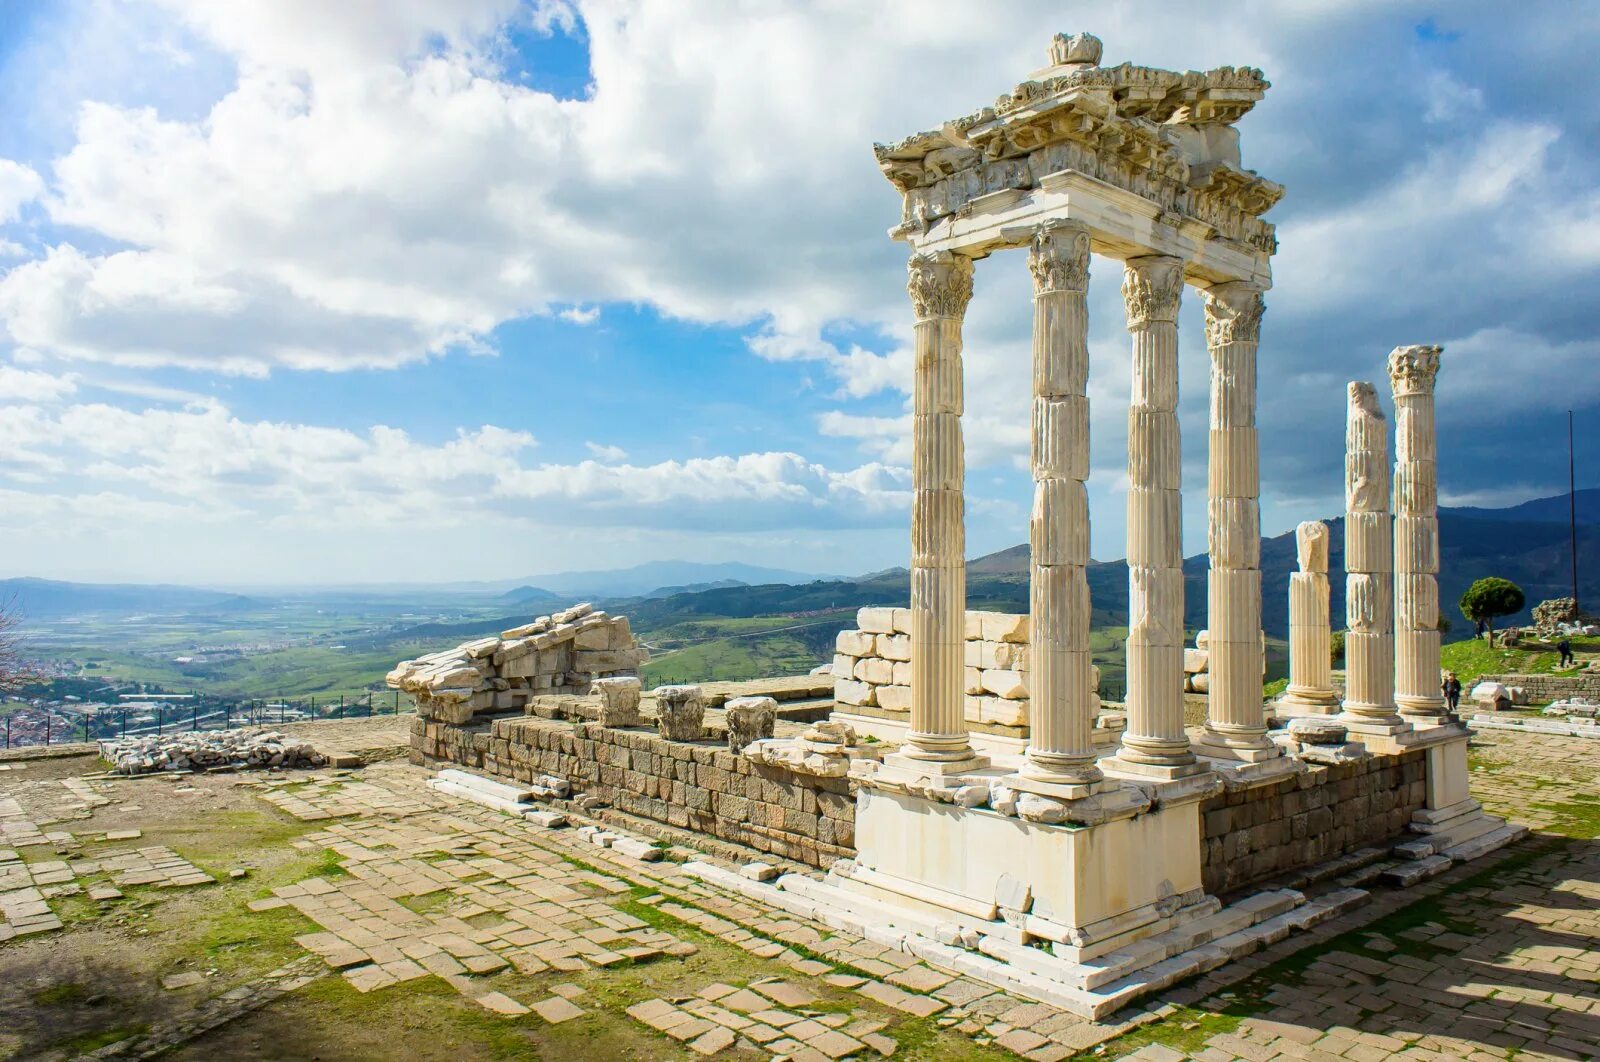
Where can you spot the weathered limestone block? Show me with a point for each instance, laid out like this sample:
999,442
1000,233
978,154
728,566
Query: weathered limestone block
894,698
619,700
680,712
896,647
876,620
750,719
1008,684
856,643
851,691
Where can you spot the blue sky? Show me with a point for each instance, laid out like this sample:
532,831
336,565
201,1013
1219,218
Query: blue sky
483,288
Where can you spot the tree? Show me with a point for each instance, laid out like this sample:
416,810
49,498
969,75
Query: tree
11,671
1490,597
1336,648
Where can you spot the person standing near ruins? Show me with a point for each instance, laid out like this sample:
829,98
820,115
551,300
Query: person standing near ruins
1452,691
1564,647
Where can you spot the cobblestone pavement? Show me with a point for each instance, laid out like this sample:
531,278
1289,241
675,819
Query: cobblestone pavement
1499,959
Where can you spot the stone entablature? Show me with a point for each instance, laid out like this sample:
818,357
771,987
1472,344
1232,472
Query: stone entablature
1164,137
557,654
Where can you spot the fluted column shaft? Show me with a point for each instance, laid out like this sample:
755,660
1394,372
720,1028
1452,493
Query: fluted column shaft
940,286
1310,629
1061,745
1234,715
1369,566
1412,372
1151,288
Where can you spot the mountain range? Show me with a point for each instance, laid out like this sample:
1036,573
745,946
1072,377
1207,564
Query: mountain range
1526,543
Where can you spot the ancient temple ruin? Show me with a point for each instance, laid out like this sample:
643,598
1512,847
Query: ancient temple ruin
1005,825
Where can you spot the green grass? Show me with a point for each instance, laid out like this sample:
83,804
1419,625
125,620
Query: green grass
93,1041
1474,657
1185,1029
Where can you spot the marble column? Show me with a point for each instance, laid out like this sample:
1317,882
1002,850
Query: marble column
940,286
1061,715
1154,743
1236,726
1412,371
1369,568
1310,689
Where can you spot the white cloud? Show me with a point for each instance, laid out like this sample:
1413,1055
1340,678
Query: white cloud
580,315
606,452
19,186
27,385
204,456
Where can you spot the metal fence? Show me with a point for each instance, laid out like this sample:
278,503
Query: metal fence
60,725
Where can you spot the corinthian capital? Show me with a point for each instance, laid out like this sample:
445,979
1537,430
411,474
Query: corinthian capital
1059,257
1412,369
1151,288
940,284
1233,314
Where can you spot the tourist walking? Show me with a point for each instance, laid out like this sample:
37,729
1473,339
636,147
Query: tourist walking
1564,647
1452,690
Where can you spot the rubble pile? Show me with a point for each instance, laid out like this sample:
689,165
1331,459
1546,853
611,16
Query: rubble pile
559,654
209,750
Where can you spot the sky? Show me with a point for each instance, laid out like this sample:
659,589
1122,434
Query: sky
433,290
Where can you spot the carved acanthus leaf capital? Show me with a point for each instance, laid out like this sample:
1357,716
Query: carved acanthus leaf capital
940,284
1151,288
1059,257
1233,314
1412,370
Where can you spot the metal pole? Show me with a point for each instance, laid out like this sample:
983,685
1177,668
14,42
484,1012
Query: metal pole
1572,507
48,719
160,713
194,717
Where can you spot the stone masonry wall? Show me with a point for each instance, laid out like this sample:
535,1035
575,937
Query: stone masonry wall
872,666
1255,834
1544,688
1250,835
695,786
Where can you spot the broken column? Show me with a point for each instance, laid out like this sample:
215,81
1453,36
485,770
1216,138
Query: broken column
1417,693
1310,689
1368,564
619,700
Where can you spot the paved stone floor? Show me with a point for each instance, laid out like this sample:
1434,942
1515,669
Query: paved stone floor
1499,959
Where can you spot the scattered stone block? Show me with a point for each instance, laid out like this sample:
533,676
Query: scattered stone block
557,1009
759,871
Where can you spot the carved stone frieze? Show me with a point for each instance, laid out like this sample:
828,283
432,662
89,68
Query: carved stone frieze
1133,127
1059,257
940,284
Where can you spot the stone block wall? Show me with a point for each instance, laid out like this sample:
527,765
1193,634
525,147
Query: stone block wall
690,785
1545,688
558,654
872,667
1255,834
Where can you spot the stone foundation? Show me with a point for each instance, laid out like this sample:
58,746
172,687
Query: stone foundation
698,786
1251,835
1254,834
